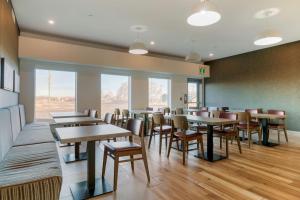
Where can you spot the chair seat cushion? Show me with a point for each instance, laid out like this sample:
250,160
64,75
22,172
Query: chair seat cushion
122,146
188,134
27,137
275,125
164,128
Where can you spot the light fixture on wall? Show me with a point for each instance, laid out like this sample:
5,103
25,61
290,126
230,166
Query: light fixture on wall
268,38
193,57
138,47
204,14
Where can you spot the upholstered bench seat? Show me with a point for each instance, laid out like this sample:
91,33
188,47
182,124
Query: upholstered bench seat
27,137
31,172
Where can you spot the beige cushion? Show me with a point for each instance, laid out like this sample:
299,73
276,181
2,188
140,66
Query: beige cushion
6,137
15,121
27,137
31,172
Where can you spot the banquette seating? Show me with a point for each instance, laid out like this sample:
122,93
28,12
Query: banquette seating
29,162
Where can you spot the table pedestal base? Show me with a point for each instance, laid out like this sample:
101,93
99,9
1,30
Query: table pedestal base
69,158
216,157
270,144
80,190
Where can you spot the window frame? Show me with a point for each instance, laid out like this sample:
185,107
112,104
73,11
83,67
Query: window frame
169,88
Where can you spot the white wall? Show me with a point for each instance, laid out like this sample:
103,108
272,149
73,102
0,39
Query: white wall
88,85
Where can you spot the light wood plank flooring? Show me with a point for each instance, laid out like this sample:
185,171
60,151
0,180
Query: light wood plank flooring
258,173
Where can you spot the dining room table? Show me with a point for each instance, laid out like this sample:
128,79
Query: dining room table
264,119
67,114
209,155
74,121
93,186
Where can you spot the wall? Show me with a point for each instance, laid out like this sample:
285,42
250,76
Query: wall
8,48
89,85
266,79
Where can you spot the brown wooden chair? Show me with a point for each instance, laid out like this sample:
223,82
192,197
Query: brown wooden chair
205,109
94,113
125,117
228,132
149,109
247,126
254,111
118,118
159,127
86,112
110,119
179,111
180,131
278,124
202,127
127,148
166,111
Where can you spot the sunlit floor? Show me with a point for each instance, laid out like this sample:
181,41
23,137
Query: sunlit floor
258,173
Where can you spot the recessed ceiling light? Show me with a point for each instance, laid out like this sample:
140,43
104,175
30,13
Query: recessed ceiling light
266,13
204,14
211,55
268,38
51,22
152,43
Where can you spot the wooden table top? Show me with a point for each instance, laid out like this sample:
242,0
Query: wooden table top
268,116
90,133
67,114
76,120
206,120
144,111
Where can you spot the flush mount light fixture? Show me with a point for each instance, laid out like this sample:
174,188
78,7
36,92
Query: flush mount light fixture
268,38
51,21
211,54
152,43
266,13
204,14
138,47
193,57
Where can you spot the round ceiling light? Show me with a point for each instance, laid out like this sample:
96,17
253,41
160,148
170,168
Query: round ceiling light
204,14
268,38
138,48
193,57
266,13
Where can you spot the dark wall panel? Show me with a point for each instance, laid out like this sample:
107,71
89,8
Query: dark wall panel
268,79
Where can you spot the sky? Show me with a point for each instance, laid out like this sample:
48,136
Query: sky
112,82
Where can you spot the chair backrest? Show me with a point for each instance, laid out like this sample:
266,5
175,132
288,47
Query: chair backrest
6,135
202,113
158,119
86,112
228,115
223,108
149,109
180,122
94,113
215,114
125,113
213,108
179,111
117,112
276,112
244,117
109,118
203,108
253,111
135,126
167,110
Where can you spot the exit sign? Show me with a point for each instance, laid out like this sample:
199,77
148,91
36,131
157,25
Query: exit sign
204,71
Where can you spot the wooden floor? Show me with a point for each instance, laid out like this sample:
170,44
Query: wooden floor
258,173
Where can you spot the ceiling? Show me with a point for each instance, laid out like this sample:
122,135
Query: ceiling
109,21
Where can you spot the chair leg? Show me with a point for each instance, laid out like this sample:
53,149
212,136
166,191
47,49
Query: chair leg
160,142
115,139
198,141
170,145
183,152
286,136
249,139
151,135
220,142
227,154
116,170
177,143
259,135
166,138
132,163
146,164
104,162
202,147
239,143
278,135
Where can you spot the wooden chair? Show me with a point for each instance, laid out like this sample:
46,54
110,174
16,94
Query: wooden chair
125,117
166,111
254,111
228,132
247,126
126,148
117,115
180,131
278,124
94,113
202,127
205,109
179,111
149,109
110,119
86,112
159,127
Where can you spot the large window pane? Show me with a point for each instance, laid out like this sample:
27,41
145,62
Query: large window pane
194,93
159,93
55,91
114,93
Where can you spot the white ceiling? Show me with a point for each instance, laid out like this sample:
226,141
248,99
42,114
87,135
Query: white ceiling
166,21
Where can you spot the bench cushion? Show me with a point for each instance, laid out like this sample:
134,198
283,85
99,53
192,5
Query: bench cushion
27,137
6,138
15,121
31,172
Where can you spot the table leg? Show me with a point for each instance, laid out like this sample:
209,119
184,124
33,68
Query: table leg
92,187
210,155
69,158
265,128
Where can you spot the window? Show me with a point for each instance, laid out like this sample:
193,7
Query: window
159,92
55,91
194,93
114,93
